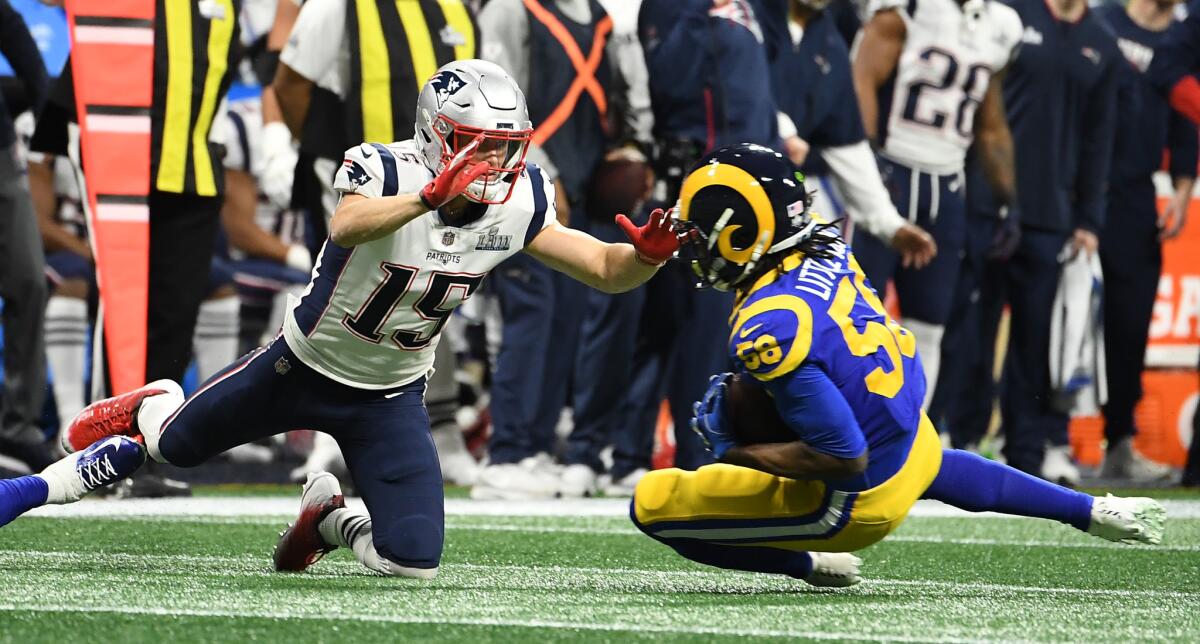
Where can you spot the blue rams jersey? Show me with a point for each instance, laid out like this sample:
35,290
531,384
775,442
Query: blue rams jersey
821,312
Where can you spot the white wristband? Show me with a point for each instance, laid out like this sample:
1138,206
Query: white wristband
299,258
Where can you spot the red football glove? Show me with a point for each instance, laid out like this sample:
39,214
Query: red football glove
459,174
655,242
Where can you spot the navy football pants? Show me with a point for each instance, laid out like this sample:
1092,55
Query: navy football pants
383,434
962,404
936,204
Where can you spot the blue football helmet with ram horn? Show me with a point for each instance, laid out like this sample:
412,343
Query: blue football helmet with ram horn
742,206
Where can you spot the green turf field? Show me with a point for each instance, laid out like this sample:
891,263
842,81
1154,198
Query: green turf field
190,576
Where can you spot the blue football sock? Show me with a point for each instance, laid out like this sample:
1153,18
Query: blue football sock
20,495
974,483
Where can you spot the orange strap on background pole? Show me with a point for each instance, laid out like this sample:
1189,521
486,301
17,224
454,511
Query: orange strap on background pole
585,70
112,58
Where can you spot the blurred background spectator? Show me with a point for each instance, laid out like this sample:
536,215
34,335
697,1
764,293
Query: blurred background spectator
1130,241
1062,88
21,267
922,125
559,53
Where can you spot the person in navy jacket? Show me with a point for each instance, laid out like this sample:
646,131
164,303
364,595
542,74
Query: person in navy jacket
1060,95
1176,62
1133,231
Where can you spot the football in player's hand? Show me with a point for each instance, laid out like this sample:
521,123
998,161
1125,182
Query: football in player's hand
620,185
752,413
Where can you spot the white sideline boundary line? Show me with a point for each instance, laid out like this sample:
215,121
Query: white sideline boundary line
479,621
217,506
260,566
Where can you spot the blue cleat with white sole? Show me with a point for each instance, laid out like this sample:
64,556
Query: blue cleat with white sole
104,462
109,460
72,477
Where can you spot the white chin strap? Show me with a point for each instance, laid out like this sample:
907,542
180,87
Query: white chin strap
792,240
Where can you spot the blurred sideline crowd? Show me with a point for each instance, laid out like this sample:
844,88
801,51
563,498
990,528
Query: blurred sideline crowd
544,387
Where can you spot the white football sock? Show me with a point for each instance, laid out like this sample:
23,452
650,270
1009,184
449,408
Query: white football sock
216,337
155,411
347,528
66,344
62,481
929,347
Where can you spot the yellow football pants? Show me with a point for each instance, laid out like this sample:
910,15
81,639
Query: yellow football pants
735,505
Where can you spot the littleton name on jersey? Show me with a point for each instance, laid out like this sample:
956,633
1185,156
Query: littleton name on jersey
372,314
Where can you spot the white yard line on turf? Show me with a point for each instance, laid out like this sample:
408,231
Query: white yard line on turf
257,566
284,506
472,621
968,541
453,524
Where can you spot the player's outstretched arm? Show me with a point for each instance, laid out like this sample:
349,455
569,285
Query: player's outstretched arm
360,219
612,268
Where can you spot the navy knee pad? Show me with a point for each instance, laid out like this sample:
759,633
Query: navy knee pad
413,541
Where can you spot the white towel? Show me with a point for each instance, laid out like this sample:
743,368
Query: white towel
1077,363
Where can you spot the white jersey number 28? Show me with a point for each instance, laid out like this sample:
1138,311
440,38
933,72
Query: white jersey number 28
973,85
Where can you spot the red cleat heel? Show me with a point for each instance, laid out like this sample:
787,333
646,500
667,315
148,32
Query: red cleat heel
114,416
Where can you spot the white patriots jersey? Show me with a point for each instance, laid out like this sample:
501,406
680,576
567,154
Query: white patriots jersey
241,130
372,314
950,54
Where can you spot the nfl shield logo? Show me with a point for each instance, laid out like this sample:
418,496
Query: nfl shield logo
447,238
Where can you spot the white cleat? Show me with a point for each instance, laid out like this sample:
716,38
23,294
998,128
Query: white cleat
1125,463
834,570
522,481
1128,519
1057,466
577,481
459,468
625,485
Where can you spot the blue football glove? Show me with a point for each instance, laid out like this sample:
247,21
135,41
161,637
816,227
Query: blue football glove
709,419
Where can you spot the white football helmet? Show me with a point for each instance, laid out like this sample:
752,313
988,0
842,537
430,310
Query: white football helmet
467,98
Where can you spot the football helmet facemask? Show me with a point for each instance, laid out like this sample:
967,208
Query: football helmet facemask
740,205
467,98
